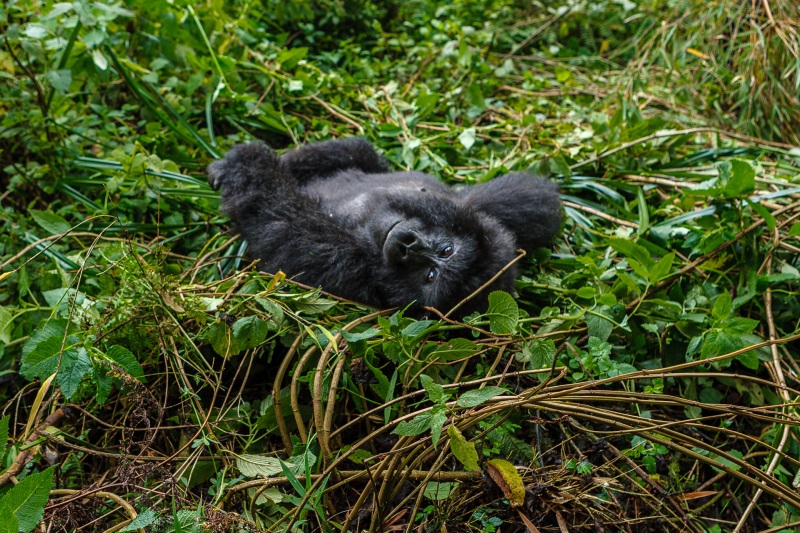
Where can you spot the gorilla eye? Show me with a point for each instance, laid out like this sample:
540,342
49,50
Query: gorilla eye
447,251
431,276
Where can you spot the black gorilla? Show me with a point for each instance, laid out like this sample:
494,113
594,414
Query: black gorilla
331,214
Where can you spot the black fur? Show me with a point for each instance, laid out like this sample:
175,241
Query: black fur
331,214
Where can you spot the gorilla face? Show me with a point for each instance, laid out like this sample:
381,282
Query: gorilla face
331,214
435,254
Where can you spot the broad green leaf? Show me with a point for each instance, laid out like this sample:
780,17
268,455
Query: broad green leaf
476,397
722,306
60,79
124,358
503,313
313,303
144,519
52,223
75,364
661,269
440,490
290,57
42,352
454,349
438,421
742,180
462,449
631,250
362,336
795,230
259,466
220,338
27,499
586,293
475,97
598,325
249,332
418,328
415,426
8,520
5,322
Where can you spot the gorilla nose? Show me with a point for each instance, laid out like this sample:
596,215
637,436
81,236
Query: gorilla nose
406,246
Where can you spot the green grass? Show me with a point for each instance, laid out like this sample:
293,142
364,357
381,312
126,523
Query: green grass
644,377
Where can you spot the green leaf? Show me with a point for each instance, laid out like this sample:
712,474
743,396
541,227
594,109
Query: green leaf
440,490
418,328
41,353
219,336
124,358
144,519
313,303
742,180
5,322
462,449
60,79
586,293
419,424
476,397
503,313
661,269
27,499
438,421
52,223
599,326
289,58
795,230
475,97
362,336
467,138
631,250
722,307
4,435
453,349
249,332
8,520
259,466
75,364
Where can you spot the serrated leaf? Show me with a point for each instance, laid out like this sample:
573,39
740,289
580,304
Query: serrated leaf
249,332
52,223
124,358
27,499
418,328
440,490
503,313
8,521
259,466
417,425
362,336
313,304
463,450
476,397
505,476
453,349
722,306
144,519
41,353
75,364
631,250
586,293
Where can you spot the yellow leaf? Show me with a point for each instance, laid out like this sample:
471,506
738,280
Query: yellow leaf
698,53
505,475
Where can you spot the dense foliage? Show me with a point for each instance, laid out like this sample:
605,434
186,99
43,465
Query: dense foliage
643,378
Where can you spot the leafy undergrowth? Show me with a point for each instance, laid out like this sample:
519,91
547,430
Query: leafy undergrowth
643,379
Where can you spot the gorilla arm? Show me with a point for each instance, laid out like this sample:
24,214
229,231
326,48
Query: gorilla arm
287,229
526,205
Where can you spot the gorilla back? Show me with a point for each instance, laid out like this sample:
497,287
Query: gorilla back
331,214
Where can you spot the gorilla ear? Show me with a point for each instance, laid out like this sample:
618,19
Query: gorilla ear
527,206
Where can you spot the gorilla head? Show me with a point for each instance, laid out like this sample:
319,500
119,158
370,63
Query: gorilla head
331,214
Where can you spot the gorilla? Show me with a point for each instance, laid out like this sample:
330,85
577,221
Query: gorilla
332,214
